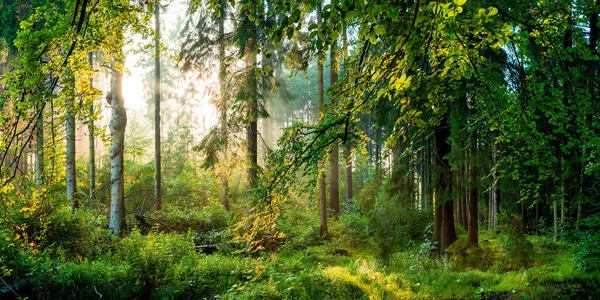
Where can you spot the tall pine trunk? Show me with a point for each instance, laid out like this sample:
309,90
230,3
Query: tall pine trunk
334,180
117,125
473,230
70,153
348,146
444,233
224,96
92,136
157,95
39,149
321,105
252,129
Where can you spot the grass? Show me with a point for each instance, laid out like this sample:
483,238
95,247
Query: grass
166,266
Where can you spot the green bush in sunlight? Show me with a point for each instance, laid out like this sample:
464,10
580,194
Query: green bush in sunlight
111,279
76,234
464,257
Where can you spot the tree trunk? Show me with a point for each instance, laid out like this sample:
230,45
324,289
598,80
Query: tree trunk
580,200
157,95
464,194
92,154
70,153
321,105
117,124
458,201
444,233
349,192
555,218
252,129
473,224
495,191
39,150
224,97
224,195
334,180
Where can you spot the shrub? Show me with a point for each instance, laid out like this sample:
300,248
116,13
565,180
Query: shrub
212,217
75,234
111,279
464,257
518,251
587,252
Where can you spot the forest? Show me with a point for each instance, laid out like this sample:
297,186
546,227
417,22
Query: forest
286,149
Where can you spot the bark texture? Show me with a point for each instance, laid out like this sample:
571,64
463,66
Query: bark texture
322,182
117,125
70,153
444,233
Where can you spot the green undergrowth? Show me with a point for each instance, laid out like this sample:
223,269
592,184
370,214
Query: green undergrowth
167,266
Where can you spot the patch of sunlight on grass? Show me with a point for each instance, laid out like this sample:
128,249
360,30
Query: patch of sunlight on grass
375,284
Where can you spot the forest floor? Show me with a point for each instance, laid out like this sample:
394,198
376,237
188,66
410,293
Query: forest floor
167,266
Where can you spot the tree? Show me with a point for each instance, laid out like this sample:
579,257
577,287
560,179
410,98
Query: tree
117,126
321,106
473,184
70,153
157,96
444,233
92,137
334,190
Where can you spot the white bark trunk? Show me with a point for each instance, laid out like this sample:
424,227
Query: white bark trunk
117,130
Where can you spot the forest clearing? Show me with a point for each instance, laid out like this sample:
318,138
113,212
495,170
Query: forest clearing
340,149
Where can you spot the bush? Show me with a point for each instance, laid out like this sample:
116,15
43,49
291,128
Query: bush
354,224
464,257
111,279
587,252
212,217
75,234
518,251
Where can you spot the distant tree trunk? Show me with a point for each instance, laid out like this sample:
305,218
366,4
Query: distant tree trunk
495,192
427,189
117,124
465,198
39,150
580,199
473,229
537,217
252,129
322,182
224,195
224,97
458,199
157,96
377,149
349,192
444,233
461,203
334,180
563,189
555,218
92,154
70,153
